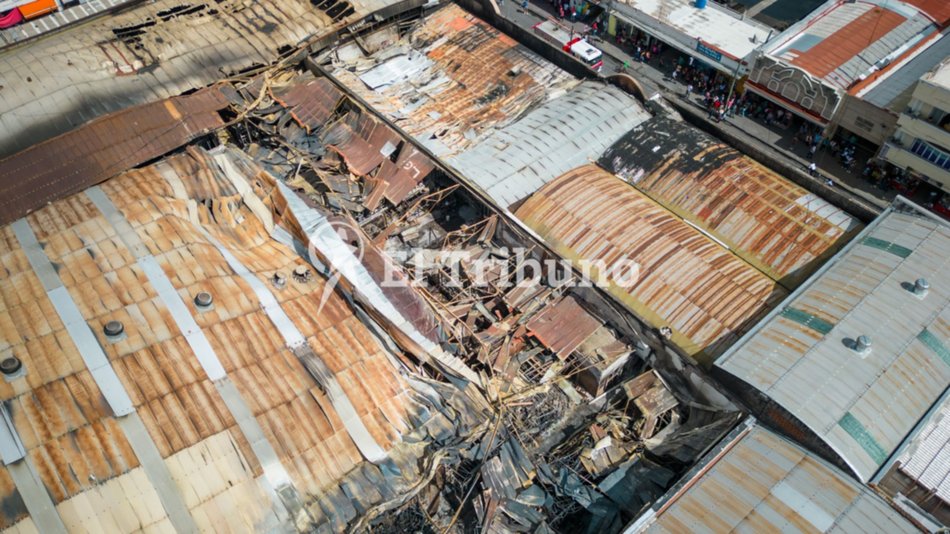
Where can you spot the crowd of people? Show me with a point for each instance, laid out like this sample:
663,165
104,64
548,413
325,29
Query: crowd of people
721,99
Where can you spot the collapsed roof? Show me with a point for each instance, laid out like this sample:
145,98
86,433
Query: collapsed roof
152,51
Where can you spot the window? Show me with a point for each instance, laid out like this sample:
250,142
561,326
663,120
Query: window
929,153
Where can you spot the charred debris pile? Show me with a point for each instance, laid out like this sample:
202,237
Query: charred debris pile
591,418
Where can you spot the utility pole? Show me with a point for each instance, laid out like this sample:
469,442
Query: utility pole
732,85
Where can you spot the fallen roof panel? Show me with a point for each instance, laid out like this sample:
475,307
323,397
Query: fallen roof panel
138,249
564,326
775,225
151,51
681,279
102,149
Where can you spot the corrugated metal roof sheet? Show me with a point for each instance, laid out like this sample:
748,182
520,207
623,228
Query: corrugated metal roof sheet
563,326
894,91
102,149
775,225
862,405
762,482
152,51
473,79
59,412
927,456
567,132
685,280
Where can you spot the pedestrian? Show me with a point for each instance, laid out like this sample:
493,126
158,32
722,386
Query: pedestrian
689,89
813,169
812,150
560,11
524,5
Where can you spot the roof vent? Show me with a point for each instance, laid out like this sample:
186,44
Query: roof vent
279,280
113,329
203,300
11,367
862,345
921,287
302,274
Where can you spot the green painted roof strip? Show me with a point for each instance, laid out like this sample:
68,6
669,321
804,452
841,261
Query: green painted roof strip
811,321
887,246
856,430
933,343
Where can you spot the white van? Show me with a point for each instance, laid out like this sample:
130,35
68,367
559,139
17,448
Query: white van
557,35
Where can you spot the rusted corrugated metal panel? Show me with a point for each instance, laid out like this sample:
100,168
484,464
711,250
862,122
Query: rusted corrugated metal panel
563,326
762,482
411,167
312,103
801,356
363,142
101,149
478,79
848,41
775,225
683,279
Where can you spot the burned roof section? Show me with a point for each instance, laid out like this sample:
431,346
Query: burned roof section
662,268
450,80
151,51
775,225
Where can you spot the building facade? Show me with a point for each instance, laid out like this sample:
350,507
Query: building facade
921,143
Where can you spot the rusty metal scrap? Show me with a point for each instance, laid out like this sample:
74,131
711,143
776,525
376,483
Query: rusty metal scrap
563,326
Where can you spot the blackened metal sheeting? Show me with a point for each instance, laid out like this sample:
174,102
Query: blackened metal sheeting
773,224
102,149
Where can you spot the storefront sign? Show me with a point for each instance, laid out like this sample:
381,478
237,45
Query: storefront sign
708,52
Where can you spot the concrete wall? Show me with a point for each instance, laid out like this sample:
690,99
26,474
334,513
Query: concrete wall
866,120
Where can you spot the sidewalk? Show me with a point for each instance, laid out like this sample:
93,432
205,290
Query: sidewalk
778,141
